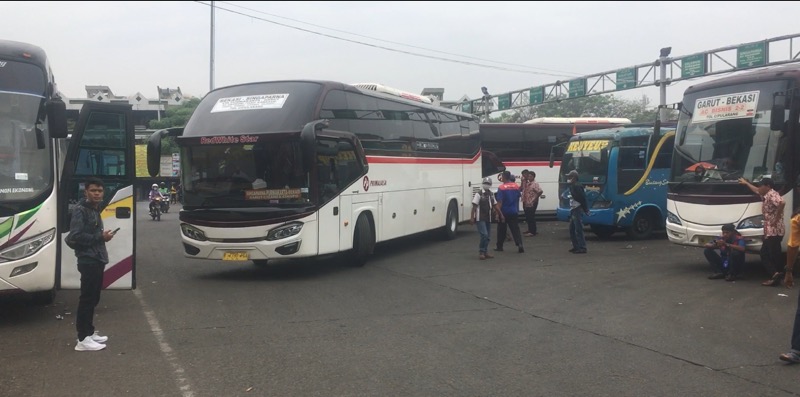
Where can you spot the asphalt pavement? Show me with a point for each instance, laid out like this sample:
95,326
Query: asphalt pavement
424,317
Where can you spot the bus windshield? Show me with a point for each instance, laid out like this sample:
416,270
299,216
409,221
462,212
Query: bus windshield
25,170
585,156
724,134
267,173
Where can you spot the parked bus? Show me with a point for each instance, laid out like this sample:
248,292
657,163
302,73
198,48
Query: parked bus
40,177
624,172
743,125
291,169
528,146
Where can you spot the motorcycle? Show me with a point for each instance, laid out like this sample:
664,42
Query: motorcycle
165,206
155,209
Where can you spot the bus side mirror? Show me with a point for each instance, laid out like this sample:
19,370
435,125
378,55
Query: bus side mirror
552,158
777,117
57,118
154,148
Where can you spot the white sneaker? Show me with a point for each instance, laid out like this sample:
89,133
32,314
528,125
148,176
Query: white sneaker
98,338
89,345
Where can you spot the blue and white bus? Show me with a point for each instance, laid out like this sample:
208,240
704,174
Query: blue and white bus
624,171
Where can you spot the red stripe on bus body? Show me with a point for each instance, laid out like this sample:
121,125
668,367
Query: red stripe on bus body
530,163
117,271
418,160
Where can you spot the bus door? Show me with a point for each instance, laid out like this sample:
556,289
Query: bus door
102,145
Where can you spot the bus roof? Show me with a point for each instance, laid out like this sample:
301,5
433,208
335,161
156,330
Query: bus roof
15,50
617,132
329,84
790,71
579,120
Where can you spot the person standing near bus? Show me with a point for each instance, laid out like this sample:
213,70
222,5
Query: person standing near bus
772,205
483,204
530,200
578,207
793,356
508,196
88,238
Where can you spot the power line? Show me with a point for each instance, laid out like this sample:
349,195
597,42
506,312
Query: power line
383,47
565,74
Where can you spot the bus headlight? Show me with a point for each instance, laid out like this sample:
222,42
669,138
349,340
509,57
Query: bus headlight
285,231
755,222
672,218
27,247
601,204
193,232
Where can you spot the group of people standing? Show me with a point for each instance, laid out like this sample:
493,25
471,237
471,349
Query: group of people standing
505,205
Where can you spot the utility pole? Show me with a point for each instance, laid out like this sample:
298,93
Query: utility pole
663,60
211,68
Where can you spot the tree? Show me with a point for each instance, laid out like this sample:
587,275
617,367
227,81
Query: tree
637,111
176,116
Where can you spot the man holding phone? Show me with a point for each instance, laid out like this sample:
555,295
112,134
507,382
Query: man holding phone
88,239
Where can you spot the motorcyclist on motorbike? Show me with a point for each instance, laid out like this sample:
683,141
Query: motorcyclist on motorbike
154,195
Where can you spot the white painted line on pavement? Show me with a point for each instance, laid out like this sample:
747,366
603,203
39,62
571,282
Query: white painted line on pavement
180,374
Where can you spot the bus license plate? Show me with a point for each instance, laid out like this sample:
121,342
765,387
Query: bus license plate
235,256
703,240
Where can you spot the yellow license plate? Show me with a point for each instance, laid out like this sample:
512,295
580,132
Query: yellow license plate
235,256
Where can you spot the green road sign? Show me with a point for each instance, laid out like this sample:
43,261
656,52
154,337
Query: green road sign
577,88
693,66
750,55
536,96
504,101
466,107
626,78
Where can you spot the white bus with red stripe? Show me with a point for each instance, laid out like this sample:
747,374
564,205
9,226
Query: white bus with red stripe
528,145
41,178
292,169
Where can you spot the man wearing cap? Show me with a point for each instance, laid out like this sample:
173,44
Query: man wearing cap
772,205
483,203
508,196
578,207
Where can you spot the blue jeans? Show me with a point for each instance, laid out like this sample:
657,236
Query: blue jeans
576,230
484,229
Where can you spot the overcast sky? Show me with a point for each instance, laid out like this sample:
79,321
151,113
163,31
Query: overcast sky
134,47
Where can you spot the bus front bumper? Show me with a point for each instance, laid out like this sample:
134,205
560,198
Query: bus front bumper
695,235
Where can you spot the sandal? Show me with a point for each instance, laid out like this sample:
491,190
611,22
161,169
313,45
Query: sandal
774,281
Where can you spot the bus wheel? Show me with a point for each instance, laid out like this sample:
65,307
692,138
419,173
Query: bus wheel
363,242
451,222
44,297
603,231
642,226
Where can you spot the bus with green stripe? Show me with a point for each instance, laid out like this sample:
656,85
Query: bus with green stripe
41,177
624,171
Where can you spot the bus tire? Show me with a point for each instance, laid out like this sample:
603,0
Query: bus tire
451,222
643,225
44,297
363,242
603,231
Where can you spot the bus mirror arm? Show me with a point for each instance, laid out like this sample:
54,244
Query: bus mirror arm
40,138
552,158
